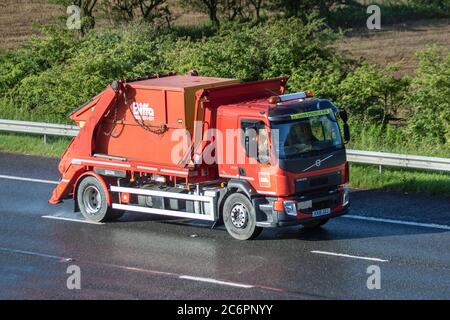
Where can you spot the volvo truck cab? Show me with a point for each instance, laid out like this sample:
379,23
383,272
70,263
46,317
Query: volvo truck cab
295,170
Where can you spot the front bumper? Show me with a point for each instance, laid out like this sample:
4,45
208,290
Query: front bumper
267,217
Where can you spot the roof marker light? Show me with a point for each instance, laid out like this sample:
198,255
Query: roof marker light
274,99
308,93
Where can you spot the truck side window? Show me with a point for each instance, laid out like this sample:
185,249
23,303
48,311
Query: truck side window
263,146
255,140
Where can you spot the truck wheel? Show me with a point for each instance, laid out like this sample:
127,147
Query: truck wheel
315,224
91,197
239,217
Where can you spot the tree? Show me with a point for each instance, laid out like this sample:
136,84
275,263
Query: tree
151,9
301,8
122,9
210,7
230,10
257,6
443,4
241,9
129,10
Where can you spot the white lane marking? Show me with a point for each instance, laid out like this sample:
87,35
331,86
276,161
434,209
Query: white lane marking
136,269
146,271
36,254
186,277
71,219
348,256
402,222
210,280
28,179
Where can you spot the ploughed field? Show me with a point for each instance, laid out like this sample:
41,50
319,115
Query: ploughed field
393,43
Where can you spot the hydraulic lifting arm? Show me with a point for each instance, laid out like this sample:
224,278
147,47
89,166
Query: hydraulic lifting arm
82,144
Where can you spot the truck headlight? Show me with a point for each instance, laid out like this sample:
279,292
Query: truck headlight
290,207
345,199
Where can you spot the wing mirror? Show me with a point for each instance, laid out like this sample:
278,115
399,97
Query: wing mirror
343,115
346,132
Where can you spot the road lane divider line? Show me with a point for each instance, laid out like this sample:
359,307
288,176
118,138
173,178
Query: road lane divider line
402,222
214,281
28,179
348,256
72,220
187,277
36,254
149,271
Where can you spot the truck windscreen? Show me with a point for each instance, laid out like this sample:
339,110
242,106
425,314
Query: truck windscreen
306,136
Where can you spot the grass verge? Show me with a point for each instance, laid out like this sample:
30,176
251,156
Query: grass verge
361,176
33,144
397,179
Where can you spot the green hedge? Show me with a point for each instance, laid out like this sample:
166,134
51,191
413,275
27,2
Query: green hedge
52,75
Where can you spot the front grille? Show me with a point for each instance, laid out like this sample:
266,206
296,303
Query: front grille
318,182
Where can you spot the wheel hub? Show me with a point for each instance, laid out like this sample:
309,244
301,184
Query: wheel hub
239,216
92,200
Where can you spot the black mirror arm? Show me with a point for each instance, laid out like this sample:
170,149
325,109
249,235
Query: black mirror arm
346,133
343,115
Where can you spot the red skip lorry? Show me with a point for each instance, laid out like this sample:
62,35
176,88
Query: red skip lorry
243,154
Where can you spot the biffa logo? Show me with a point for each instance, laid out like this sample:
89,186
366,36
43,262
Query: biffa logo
142,111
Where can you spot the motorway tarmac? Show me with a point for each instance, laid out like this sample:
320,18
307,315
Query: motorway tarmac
148,257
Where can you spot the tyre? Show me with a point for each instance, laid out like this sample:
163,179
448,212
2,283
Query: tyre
315,224
91,198
239,217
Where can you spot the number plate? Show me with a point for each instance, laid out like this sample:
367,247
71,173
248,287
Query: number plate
321,212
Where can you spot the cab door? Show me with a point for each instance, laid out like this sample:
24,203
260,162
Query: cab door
255,150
